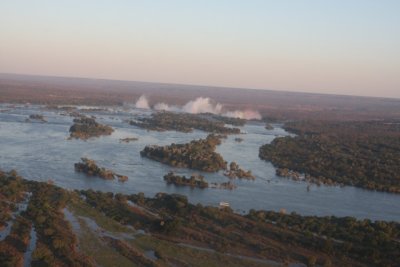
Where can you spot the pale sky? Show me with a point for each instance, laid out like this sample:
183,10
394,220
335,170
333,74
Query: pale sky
344,47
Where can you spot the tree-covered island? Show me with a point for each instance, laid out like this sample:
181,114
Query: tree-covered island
194,180
198,154
86,127
36,117
235,171
184,122
90,168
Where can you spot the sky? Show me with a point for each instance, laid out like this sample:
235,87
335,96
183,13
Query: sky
344,47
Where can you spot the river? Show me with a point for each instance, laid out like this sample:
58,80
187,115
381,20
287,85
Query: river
42,151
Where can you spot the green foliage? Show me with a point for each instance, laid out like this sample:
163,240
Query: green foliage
198,154
185,122
368,241
116,208
11,186
90,168
236,172
193,181
171,219
13,247
57,243
362,154
85,128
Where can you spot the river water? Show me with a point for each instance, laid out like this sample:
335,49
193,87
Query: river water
42,151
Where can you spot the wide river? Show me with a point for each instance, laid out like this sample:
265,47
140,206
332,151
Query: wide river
42,151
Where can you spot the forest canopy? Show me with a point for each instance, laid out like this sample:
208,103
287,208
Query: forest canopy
362,154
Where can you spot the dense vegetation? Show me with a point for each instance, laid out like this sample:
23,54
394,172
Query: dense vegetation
56,243
193,181
226,120
85,128
172,220
12,192
374,242
198,154
355,129
327,241
236,172
60,108
224,185
362,154
116,207
185,122
196,181
90,168
12,248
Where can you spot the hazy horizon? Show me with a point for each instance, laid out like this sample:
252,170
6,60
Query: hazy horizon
345,48
186,84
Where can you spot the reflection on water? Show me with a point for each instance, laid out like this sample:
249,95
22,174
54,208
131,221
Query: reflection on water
41,151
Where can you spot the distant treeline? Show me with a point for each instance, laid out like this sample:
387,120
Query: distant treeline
185,122
276,105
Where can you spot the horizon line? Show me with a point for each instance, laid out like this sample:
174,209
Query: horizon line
198,85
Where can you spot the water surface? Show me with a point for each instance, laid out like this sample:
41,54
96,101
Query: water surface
41,151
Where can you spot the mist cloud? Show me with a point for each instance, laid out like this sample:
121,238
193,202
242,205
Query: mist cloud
142,102
246,114
202,105
207,105
165,107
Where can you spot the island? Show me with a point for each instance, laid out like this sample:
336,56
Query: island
36,117
86,127
194,180
183,122
90,168
236,172
225,185
268,126
61,108
226,120
364,154
128,139
297,176
198,154
93,109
